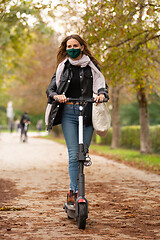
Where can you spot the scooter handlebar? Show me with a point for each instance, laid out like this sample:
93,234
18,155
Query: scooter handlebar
89,100
83,100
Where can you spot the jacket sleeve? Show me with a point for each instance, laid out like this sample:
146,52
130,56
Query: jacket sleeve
52,88
105,89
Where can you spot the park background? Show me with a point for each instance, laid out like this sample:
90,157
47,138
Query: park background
123,36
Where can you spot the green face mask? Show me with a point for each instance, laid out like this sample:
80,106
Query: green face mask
74,53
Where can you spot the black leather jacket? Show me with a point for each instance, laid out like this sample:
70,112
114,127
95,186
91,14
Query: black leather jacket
86,84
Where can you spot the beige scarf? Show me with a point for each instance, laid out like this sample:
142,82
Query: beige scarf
98,78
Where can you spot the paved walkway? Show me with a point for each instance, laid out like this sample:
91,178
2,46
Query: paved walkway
123,201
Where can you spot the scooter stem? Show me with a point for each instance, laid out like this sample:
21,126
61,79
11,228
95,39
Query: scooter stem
81,187
80,124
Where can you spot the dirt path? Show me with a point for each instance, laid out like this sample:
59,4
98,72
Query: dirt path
124,203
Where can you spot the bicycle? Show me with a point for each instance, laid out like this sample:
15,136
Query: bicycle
24,131
80,209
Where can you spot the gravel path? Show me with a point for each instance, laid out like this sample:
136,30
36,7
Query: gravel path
123,202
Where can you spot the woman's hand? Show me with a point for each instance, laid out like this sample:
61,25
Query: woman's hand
99,98
61,98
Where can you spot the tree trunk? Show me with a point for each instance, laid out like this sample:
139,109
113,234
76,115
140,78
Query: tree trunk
145,143
115,117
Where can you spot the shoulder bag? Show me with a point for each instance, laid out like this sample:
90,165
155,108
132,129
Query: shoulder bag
101,118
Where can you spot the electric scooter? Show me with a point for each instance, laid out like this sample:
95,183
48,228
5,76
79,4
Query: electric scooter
80,209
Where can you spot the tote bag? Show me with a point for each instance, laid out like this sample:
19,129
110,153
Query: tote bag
101,118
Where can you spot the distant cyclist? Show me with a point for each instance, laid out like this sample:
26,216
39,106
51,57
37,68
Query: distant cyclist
24,124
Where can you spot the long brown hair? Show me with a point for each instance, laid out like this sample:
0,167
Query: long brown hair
62,53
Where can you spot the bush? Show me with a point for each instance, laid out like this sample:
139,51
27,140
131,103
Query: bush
130,137
155,138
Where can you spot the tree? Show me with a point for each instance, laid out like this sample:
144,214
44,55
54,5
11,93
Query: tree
123,35
35,73
17,21
20,23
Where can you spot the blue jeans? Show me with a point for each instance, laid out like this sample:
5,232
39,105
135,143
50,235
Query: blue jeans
70,131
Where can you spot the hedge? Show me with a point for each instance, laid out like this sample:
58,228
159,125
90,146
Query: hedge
130,137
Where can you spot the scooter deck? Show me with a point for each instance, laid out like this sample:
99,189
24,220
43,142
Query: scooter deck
70,210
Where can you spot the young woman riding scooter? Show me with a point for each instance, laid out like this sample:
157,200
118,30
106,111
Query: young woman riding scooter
77,75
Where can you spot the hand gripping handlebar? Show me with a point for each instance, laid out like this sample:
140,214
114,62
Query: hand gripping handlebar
83,100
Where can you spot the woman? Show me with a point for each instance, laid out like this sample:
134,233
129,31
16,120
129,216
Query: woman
77,75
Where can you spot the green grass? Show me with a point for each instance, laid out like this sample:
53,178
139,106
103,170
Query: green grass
56,139
134,158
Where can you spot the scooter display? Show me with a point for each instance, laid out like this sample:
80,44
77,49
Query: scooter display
80,209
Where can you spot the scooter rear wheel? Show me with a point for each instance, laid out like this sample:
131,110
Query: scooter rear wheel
81,219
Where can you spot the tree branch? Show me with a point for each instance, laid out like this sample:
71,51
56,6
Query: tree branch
127,40
135,48
131,14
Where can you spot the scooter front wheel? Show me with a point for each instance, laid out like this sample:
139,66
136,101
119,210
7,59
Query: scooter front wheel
81,218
